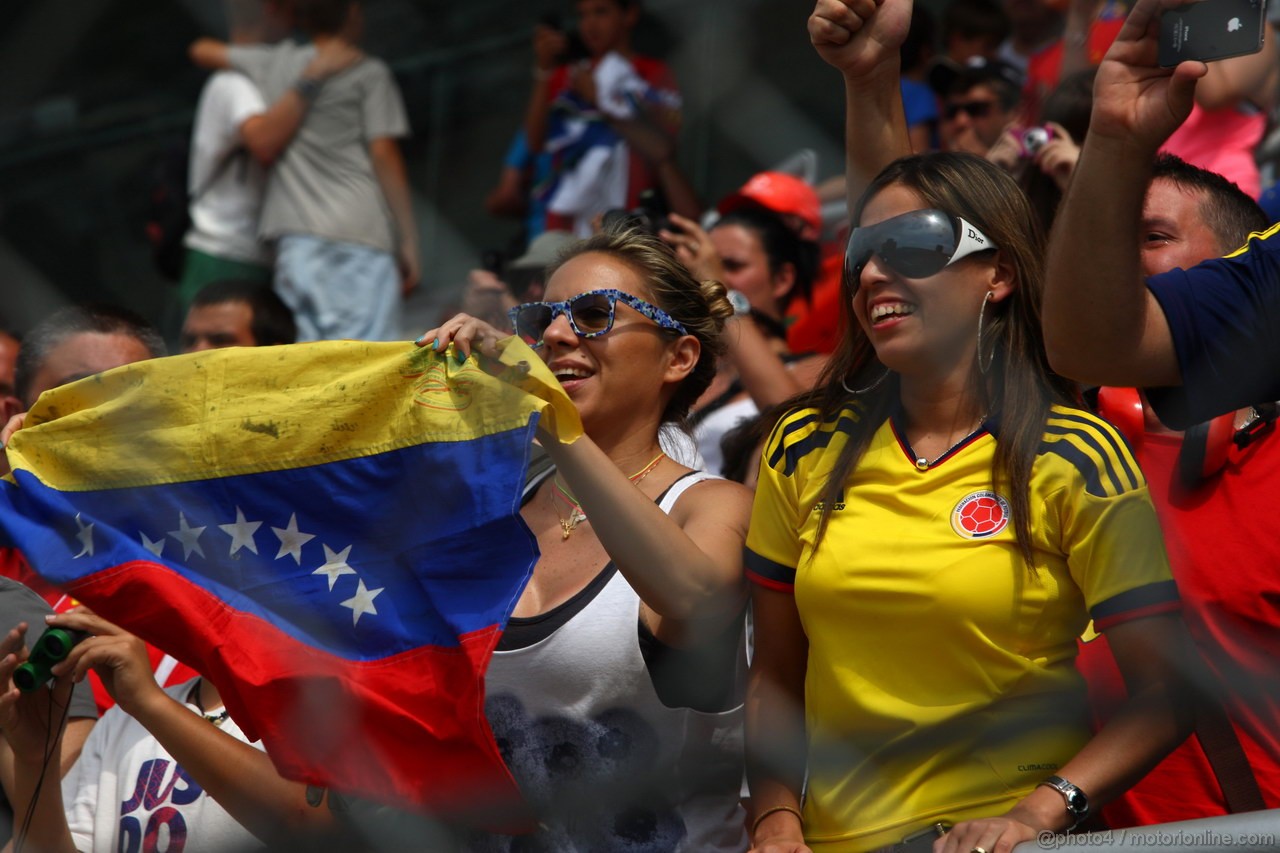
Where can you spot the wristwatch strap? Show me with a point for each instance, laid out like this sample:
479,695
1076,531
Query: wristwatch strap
1076,800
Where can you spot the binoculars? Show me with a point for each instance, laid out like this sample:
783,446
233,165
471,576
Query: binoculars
53,647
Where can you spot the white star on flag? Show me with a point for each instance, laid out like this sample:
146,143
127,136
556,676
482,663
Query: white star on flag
335,564
189,537
362,602
156,547
85,535
291,541
241,533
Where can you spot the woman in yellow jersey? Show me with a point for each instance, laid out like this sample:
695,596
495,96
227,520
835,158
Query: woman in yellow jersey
935,524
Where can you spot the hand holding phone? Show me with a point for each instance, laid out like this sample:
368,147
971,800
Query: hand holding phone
1211,29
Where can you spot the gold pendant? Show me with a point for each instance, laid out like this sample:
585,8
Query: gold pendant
570,524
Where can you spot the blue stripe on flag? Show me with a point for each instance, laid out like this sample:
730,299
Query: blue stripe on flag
362,558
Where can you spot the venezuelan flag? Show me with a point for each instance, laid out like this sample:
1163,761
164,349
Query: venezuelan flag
329,532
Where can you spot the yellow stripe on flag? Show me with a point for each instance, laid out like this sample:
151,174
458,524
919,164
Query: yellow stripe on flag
246,410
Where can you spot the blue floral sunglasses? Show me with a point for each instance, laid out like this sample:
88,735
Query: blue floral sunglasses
590,315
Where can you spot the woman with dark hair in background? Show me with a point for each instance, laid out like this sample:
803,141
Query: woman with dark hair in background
1042,156
765,265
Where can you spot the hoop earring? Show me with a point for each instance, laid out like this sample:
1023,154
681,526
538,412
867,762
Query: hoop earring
983,368
871,387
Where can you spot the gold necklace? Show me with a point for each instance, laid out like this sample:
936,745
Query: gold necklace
576,515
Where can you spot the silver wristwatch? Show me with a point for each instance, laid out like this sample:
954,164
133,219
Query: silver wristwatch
1077,801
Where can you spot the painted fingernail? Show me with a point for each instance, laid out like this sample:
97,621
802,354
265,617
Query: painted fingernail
435,344
461,356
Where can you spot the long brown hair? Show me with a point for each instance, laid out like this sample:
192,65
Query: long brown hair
1018,388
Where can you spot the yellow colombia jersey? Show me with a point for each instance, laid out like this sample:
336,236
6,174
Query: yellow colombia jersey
940,683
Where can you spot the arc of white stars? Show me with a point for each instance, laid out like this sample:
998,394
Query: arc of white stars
362,602
155,547
85,535
335,565
189,537
291,540
241,533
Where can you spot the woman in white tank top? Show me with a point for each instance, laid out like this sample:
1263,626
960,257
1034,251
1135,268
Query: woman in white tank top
615,695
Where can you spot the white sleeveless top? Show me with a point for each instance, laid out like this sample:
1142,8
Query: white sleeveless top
604,763
711,429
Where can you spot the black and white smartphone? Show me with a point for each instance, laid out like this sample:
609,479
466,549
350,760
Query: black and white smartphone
1211,29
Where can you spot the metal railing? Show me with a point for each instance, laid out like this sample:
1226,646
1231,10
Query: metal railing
1250,832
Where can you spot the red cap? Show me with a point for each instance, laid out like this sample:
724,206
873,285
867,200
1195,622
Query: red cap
780,193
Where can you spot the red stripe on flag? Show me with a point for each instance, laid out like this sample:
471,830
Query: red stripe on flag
404,730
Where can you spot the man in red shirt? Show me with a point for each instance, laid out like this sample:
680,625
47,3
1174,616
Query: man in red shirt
1226,567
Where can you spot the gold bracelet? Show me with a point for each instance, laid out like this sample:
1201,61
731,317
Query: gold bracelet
764,814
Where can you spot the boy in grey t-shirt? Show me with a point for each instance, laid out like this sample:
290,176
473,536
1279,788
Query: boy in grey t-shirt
337,199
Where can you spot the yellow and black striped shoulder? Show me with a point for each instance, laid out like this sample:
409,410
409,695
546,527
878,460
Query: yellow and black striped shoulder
1256,235
1095,448
804,431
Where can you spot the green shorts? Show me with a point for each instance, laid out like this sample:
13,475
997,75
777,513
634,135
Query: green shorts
200,268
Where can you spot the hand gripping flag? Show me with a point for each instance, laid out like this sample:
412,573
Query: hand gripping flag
330,532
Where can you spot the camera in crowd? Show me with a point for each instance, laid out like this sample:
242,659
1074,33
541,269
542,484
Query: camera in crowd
1032,139
51,649
650,215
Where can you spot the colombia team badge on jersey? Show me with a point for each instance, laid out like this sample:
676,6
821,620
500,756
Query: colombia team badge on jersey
979,515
